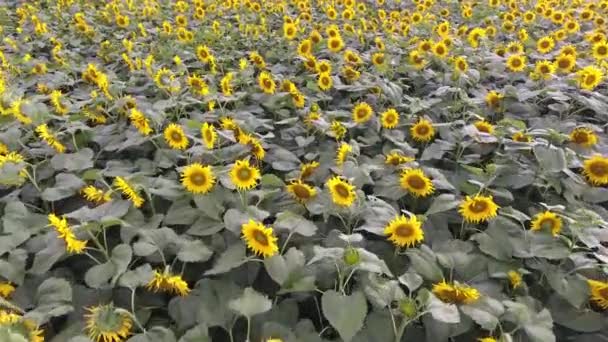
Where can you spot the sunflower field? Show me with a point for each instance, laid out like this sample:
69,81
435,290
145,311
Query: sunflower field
303,170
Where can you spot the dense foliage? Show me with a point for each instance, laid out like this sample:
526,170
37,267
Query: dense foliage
301,170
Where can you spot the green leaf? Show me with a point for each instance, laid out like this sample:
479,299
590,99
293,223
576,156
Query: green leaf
66,185
196,334
81,160
441,203
99,275
231,258
550,158
335,306
443,312
194,251
121,258
181,212
485,312
423,261
136,278
250,303
212,300
295,223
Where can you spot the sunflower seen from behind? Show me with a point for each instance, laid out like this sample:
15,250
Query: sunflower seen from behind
198,179
478,208
342,191
404,232
595,169
244,176
175,137
106,323
259,238
547,221
416,182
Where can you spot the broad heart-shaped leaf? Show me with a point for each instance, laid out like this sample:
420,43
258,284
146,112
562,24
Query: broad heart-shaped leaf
423,261
250,303
486,312
121,257
295,223
550,158
582,320
53,299
6,335
212,298
231,258
81,160
156,334
443,312
194,251
441,203
99,275
138,277
537,325
66,185
345,313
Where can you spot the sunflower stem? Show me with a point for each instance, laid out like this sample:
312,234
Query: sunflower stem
139,325
248,329
286,242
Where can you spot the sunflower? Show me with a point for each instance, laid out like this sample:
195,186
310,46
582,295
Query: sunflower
595,170
325,82
335,44
416,182
440,50
455,293
461,64
342,192
290,31
259,238
95,195
589,77
323,66
351,57
487,339
390,118
310,63
565,63
226,84
544,69
484,126
175,137
583,136
547,221
545,44
198,85
6,289
493,99
128,191
140,122
515,48
209,135
305,47
243,175
478,208
45,134
362,112
64,231
422,131
516,63
169,283
198,179
266,82
416,59
600,50
20,327
342,152
108,324
301,191
403,231
307,169
378,59
350,74
521,137
515,279
599,293
396,159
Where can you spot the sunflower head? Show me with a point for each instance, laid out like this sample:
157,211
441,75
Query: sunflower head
589,77
209,135
198,179
403,231
455,293
301,191
515,279
175,137
362,112
266,83
396,159
243,175
478,208
342,152
422,131
20,326
516,63
521,137
324,81
583,136
342,192
307,169
390,118
259,238
107,323
599,293
493,99
595,170
484,126
416,182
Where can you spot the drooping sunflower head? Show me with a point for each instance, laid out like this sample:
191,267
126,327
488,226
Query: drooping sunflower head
599,293
478,208
342,192
342,152
243,175
422,131
259,238
301,191
390,118
165,281
484,126
595,170
583,136
403,231
209,135
175,137
362,112
416,182
455,293
198,179
396,159
521,137
307,169
108,324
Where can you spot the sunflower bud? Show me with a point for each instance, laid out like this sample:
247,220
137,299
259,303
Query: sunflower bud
408,307
351,256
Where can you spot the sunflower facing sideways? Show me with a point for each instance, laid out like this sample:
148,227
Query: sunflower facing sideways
259,238
403,231
342,192
416,182
209,135
21,327
478,208
243,175
484,126
105,323
301,191
198,179
547,221
165,281
175,137
455,293
422,131
396,159
599,293
583,136
595,170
